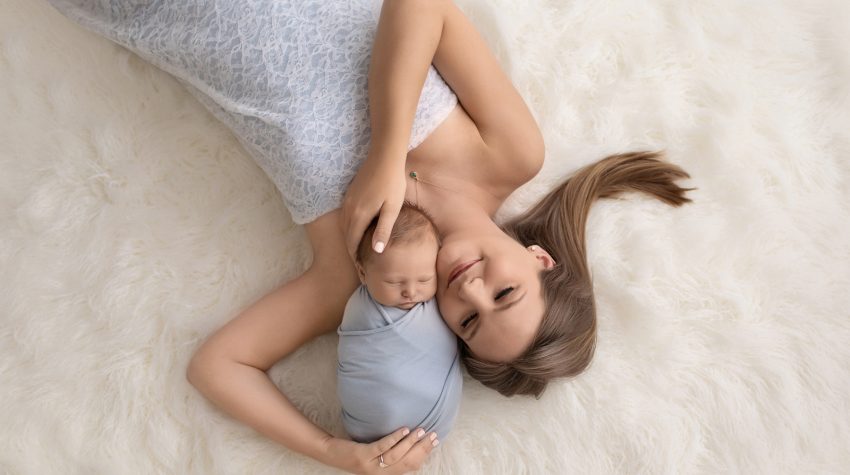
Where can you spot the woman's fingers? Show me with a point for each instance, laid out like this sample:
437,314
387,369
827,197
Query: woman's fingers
386,220
415,457
388,442
411,450
358,222
397,451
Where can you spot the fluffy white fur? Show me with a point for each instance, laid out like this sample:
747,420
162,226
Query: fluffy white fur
132,225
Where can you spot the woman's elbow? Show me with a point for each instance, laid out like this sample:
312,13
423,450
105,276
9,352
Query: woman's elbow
537,152
200,368
534,161
529,153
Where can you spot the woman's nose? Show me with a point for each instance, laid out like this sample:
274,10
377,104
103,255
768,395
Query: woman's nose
472,291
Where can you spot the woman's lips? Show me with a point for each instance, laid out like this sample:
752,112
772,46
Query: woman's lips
460,269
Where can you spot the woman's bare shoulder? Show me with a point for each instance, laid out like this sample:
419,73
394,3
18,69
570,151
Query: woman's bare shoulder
328,244
457,146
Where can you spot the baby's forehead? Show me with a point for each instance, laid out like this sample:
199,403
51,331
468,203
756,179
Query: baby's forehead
406,258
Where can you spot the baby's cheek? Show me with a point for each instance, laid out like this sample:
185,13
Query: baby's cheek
387,293
431,290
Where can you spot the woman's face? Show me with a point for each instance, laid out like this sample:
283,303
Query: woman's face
489,292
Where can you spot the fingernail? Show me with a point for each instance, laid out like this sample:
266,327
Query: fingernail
405,432
433,435
420,434
435,443
379,247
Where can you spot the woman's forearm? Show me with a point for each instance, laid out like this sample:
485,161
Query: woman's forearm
405,41
229,368
248,394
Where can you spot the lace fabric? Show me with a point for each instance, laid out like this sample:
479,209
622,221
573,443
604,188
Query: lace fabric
289,78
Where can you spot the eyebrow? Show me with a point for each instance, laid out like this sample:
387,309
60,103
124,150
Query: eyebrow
502,309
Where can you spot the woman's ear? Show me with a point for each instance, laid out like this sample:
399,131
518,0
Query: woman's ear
543,257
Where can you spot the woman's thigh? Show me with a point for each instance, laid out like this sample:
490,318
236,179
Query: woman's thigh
297,311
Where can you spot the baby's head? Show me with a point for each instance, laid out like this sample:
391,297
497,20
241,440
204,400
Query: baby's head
406,371
405,273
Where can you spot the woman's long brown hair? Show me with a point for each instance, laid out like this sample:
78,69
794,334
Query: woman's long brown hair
566,340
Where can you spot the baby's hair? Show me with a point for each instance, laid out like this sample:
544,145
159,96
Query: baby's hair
413,224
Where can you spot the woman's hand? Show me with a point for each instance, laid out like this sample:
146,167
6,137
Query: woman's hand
378,187
402,451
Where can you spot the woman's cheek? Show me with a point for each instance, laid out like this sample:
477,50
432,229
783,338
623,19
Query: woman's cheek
446,311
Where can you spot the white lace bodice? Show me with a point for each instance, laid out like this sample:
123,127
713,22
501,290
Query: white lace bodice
288,77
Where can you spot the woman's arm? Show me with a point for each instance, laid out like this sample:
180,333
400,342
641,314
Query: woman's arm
405,40
415,33
230,368
502,118
411,35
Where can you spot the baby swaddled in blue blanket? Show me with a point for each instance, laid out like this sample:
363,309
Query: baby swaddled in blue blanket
399,364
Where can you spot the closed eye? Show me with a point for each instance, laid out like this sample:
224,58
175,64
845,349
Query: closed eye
468,319
504,292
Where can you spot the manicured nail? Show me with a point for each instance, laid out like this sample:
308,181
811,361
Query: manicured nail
420,434
435,443
433,435
379,247
405,432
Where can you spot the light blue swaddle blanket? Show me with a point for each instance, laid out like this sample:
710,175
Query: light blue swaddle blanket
397,368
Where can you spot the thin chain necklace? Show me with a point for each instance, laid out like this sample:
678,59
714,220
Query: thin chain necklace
417,179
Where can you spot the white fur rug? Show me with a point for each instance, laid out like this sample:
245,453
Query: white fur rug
132,225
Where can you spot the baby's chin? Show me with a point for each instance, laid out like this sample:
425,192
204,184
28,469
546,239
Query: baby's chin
408,306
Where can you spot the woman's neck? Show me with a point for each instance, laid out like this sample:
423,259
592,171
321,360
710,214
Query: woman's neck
453,204
457,184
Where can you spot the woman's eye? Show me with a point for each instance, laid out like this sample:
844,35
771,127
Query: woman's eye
468,319
504,292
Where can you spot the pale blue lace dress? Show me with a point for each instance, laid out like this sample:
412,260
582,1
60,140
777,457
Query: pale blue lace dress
288,77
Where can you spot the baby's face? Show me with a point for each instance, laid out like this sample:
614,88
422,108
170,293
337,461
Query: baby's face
404,275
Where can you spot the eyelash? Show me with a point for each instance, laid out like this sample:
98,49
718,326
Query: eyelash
502,293
425,281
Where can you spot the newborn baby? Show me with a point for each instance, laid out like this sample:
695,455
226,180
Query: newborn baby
398,361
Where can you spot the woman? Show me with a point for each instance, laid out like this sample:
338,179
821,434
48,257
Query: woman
519,298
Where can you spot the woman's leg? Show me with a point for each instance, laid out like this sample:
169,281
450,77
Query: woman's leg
230,367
